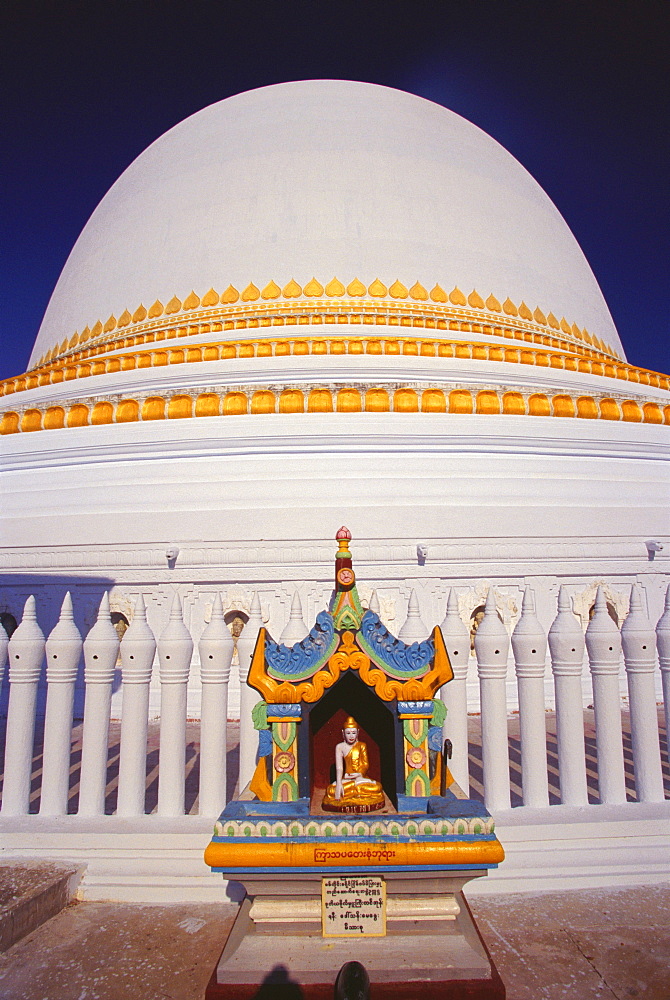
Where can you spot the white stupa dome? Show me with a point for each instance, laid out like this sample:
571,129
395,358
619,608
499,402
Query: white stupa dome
316,304
322,178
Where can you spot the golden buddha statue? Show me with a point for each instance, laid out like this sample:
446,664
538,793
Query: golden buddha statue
352,791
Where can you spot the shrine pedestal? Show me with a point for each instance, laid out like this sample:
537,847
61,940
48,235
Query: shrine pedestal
382,887
431,947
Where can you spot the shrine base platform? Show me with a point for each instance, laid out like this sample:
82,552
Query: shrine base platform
432,947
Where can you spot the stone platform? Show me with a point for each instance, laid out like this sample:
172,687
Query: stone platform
31,893
431,946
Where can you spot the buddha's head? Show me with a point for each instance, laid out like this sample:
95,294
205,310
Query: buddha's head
350,731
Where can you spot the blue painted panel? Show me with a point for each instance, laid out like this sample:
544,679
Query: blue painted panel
276,810
454,808
276,712
415,708
264,743
435,738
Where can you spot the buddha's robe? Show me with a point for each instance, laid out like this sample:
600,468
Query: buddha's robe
359,793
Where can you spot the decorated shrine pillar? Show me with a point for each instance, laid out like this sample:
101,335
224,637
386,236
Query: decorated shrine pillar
416,717
284,720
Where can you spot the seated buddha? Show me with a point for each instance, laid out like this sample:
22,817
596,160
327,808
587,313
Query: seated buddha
352,791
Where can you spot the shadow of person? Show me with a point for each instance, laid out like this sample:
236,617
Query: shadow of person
278,985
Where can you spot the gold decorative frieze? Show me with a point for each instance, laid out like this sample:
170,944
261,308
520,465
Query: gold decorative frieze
93,361
251,293
152,332
320,398
398,290
335,289
400,303
313,289
377,289
271,291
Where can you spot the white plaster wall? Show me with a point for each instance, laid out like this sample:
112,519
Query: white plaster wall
292,476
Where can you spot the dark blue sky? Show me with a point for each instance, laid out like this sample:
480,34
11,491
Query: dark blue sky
579,92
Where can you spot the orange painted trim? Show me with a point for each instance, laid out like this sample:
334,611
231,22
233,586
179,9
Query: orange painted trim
562,354
339,854
562,358
250,399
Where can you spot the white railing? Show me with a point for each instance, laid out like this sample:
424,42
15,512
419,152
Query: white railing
644,649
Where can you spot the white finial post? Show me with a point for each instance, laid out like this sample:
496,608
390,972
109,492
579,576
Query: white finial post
663,646
248,695
101,650
138,647
604,647
295,628
374,603
491,647
175,649
566,642
414,629
216,649
530,649
454,694
26,652
63,652
637,639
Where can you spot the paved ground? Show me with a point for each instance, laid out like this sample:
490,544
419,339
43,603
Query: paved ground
595,944
108,951
589,945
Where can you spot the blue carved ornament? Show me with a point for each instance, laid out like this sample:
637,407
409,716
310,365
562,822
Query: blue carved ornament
397,658
295,663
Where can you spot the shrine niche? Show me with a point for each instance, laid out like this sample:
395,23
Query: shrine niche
377,729
348,663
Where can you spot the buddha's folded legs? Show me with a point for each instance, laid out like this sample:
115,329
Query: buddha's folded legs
355,791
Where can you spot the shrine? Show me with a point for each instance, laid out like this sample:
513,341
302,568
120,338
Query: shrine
352,826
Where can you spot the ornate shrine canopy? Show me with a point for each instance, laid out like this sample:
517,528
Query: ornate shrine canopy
348,637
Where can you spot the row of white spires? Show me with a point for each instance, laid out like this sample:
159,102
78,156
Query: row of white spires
643,649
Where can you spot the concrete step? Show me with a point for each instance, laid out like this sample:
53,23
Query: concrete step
31,893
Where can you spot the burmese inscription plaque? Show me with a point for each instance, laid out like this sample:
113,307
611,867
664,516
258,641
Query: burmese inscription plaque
353,907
